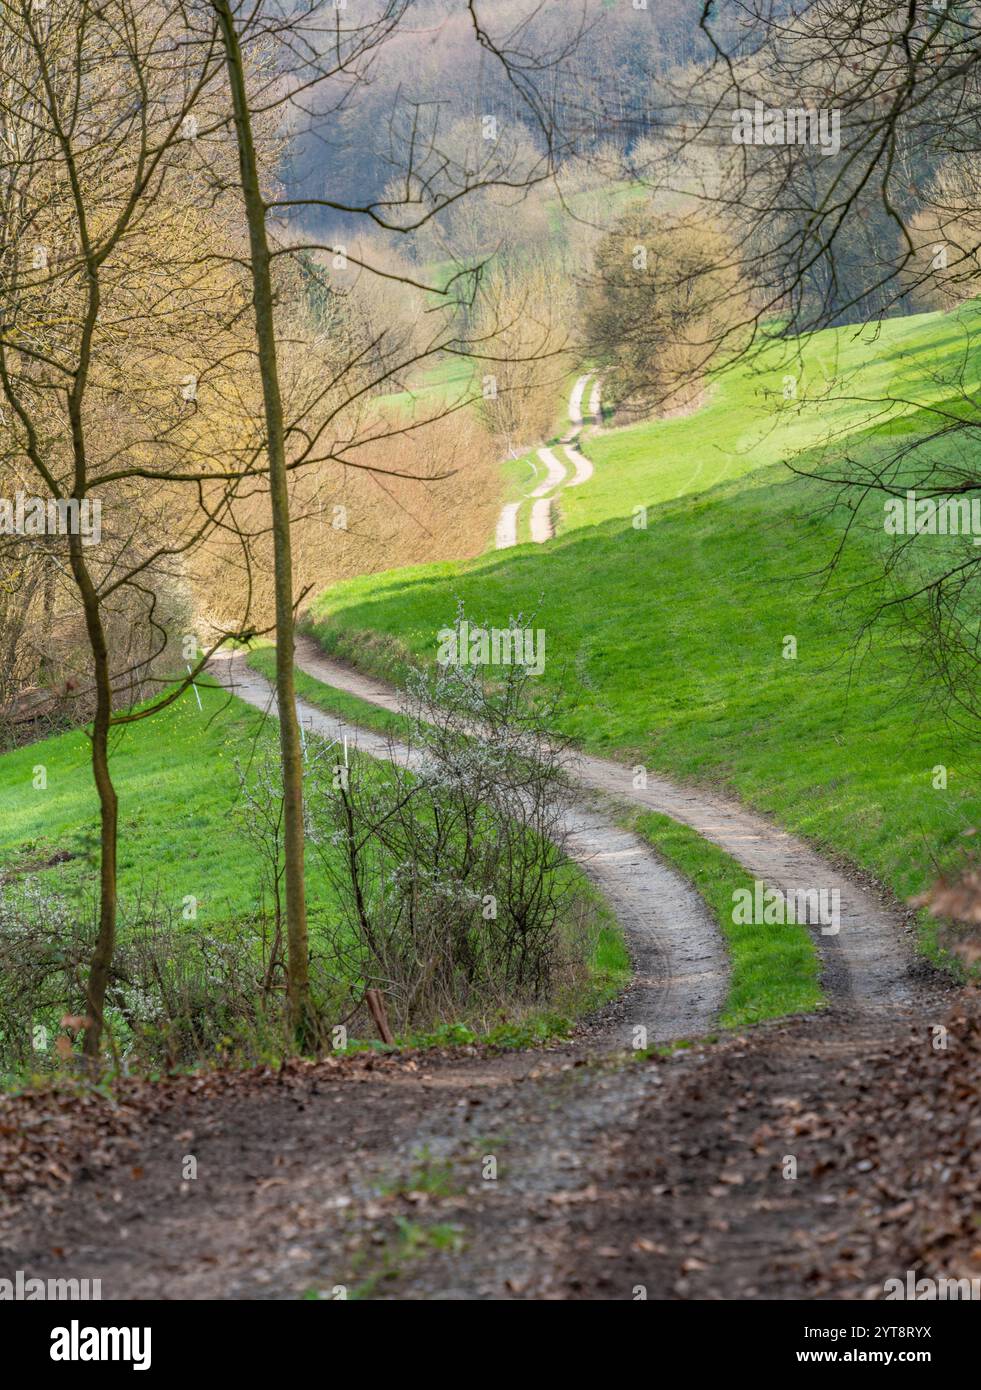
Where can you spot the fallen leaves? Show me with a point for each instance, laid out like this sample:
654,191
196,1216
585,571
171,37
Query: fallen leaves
885,1127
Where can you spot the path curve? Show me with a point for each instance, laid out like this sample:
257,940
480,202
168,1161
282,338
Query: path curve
581,464
575,400
554,474
866,964
596,400
679,959
542,521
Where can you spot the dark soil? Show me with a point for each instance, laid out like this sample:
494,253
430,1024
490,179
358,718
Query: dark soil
616,1177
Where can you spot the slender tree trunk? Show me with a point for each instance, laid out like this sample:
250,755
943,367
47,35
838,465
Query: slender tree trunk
101,963
47,600
289,728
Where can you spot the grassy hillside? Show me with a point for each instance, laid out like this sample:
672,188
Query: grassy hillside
175,775
840,377
666,645
180,835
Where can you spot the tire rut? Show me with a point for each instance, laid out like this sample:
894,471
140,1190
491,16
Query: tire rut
679,959
866,962
542,521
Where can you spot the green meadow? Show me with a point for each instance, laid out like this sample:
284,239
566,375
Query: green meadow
666,629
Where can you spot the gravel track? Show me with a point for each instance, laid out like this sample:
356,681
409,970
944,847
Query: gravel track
542,522
679,959
867,962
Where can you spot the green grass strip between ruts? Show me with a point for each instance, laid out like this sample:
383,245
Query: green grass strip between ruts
774,969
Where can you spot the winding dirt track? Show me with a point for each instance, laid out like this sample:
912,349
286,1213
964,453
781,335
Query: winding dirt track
866,962
554,474
595,399
668,1176
680,966
542,498
581,464
575,400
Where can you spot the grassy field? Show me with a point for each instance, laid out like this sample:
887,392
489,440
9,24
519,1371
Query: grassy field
839,377
666,645
180,836
178,789
772,973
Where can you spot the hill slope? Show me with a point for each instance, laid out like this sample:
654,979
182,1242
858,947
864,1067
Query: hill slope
666,645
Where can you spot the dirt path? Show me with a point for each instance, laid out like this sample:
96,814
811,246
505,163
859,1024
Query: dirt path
867,962
507,526
680,966
541,527
786,1163
575,401
581,464
542,498
595,399
532,1176
554,474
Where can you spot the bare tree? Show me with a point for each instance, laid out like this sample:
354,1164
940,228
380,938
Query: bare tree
142,141
835,143
110,428
318,57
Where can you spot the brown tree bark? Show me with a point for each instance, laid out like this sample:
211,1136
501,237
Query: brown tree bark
289,730
98,980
